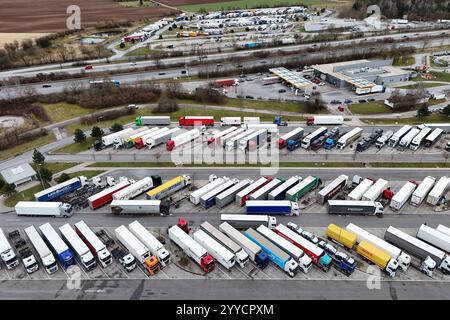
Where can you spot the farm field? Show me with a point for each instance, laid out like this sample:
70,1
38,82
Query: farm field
241,4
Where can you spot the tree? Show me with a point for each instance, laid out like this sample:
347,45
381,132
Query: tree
160,37
38,157
9,189
2,184
446,110
45,176
79,136
96,133
423,111
62,178
141,2
116,127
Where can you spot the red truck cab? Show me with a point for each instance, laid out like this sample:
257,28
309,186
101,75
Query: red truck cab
170,145
88,67
207,263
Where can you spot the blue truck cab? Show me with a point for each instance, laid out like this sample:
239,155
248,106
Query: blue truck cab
325,262
293,144
329,143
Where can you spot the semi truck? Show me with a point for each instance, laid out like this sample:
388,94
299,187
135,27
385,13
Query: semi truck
443,229
375,190
242,196
140,142
324,120
182,139
188,121
295,134
407,139
360,189
61,189
348,138
276,255
433,137
355,207
97,247
162,137
106,196
143,207
398,135
254,252
318,256
438,191
230,121
293,144
341,236
44,253
192,248
403,195
384,139
306,142
279,193
224,139
232,143
214,139
209,199
124,257
430,256
403,259
273,207
108,140
379,257
229,195
26,255
170,187
57,245
253,141
135,189
243,221
224,256
300,189
52,209
303,261
331,138
140,252
241,257
365,143
151,242
419,139
331,189
78,246
263,192
152,120
131,140
420,194
196,195
120,141
434,237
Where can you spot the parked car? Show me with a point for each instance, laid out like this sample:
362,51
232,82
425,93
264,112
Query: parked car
362,101
327,247
311,237
281,90
249,97
132,106
335,102
294,227
46,85
371,99
161,73
344,257
347,101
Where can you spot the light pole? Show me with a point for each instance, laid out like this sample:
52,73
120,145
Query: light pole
40,177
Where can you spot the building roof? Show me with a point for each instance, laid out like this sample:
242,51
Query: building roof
18,173
292,78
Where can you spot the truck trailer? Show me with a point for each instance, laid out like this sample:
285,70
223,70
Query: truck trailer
434,237
60,189
168,188
263,192
341,236
398,135
196,195
97,247
272,207
140,142
230,121
306,142
331,189
7,253
192,248
243,221
143,207
300,189
225,138
108,140
229,195
420,194
324,120
403,195
135,189
162,137
214,139
103,197
182,139
384,139
433,137
407,139
375,191
224,256
26,255
295,134
360,190
233,141
131,140
443,229
120,141
57,245
348,138
253,141
279,193
52,209
242,196
152,120
189,121
377,256
44,253
355,207
209,199
438,191
419,139
78,247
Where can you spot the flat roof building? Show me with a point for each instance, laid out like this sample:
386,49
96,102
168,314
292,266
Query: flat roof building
19,174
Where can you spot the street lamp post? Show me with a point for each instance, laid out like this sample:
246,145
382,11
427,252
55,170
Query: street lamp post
40,177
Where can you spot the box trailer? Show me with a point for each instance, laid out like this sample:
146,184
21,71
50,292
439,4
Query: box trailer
224,256
139,251
306,142
341,236
52,209
419,139
318,256
355,207
224,139
242,196
140,142
108,140
357,193
120,141
161,138
168,188
299,190
195,196
304,262
422,191
243,221
407,139
272,207
61,189
438,191
57,245
7,253
254,252
229,195
376,190
276,255
349,138
263,192
251,120
403,195
434,137
434,237
142,207
135,189
253,141
295,134
192,248
47,258
279,193
151,242
443,229
182,139
230,121
78,247
403,259
232,143
384,139
398,135
377,256
332,189
131,140
216,136
209,199
152,120
430,256
106,196
188,121
324,120
96,246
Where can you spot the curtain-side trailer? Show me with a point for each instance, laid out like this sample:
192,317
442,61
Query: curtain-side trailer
375,191
109,139
297,133
195,196
78,246
279,193
355,207
331,189
306,142
135,189
420,194
57,245
263,192
403,195
407,139
152,120
144,207
97,247
168,188
272,207
60,189
105,196
229,195
348,138
161,137
419,139
357,193
243,221
438,191
209,199
299,190
434,237
242,196
398,135
433,137
47,258
225,257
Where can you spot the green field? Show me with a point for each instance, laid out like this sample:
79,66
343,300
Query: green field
425,85
56,167
26,195
433,118
21,148
374,107
87,173
76,147
63,111
248,4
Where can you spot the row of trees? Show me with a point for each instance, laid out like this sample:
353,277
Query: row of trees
96,132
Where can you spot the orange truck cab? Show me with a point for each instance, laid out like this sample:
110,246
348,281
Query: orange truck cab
152,265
